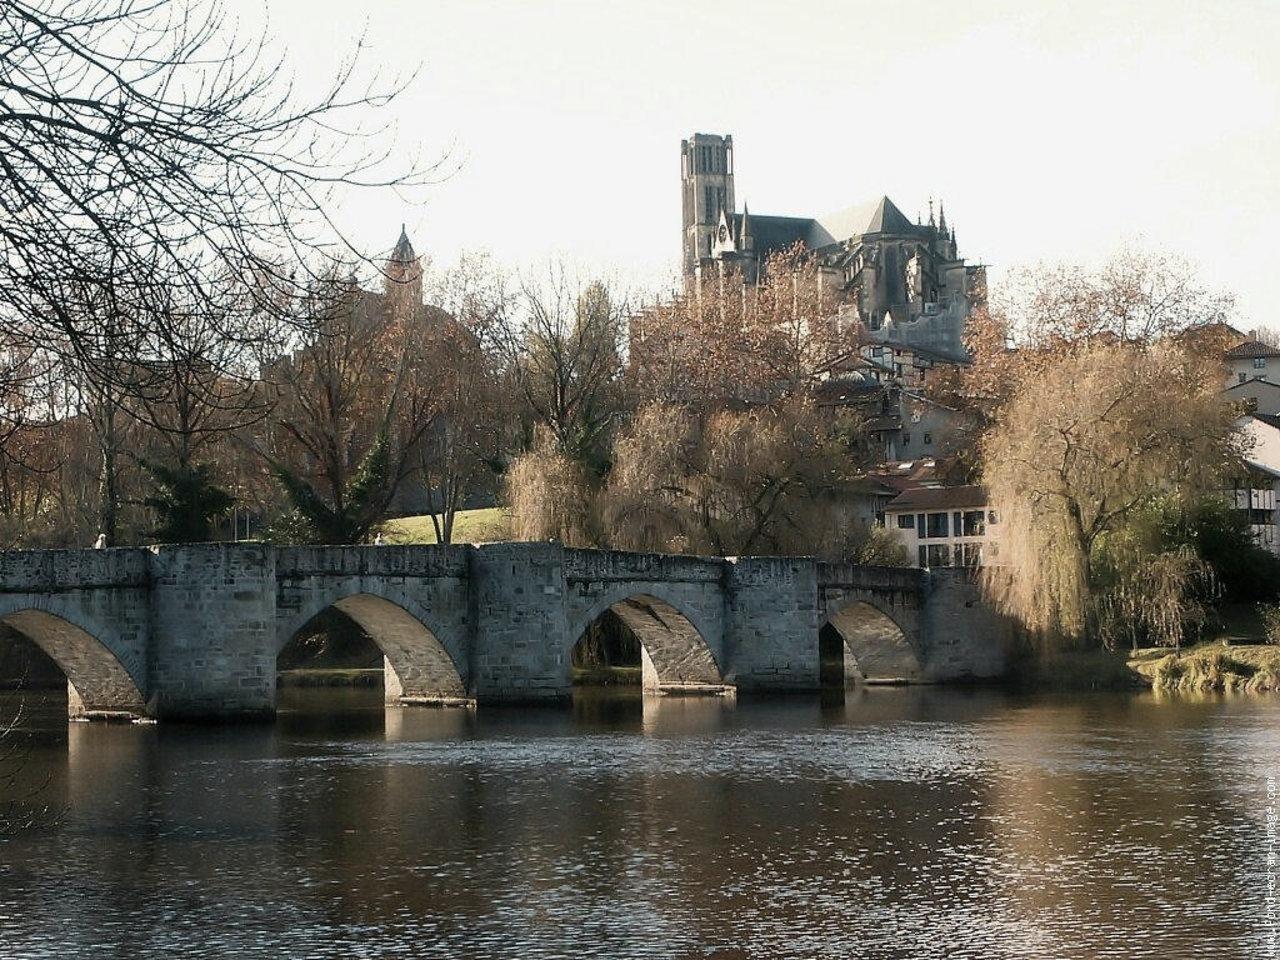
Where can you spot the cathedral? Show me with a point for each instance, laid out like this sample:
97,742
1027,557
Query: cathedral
903,282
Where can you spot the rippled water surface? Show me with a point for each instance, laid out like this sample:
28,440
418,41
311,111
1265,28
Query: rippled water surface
899,823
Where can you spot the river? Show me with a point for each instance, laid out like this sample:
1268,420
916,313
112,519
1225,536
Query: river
895,823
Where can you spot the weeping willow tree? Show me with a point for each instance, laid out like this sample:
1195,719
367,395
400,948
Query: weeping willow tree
765,480
550,496
1071,459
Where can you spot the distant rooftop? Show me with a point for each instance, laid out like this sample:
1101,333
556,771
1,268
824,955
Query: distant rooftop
1252,348
939,498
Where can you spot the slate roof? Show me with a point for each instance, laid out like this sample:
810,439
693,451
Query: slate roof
939,498
888,219
842,390
403,251
778,233
1252,348
772,234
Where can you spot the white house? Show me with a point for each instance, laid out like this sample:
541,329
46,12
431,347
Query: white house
1256,395
945,526
1253,360
1255,493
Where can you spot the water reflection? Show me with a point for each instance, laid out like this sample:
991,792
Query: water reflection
890,823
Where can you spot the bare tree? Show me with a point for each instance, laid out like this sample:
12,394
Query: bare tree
733,342
151,155
564,344
465,450
355,401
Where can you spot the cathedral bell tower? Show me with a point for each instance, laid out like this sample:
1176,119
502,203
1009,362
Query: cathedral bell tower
706,190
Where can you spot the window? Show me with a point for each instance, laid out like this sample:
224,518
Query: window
1259,363
969,555
1259,518
906,521
920,526
1243,377
928,437
906,438
936,526
1251,404
938,554
973,523
992,518
923,558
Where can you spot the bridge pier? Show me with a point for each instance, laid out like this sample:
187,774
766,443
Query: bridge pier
517,653
213,624
773,621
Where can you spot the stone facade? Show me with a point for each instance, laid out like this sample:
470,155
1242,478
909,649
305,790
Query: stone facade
194,631
903,282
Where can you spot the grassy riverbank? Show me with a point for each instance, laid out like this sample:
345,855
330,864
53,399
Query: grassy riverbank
1207,667
1233,656
1211,667
469,526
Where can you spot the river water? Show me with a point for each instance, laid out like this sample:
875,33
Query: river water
896,823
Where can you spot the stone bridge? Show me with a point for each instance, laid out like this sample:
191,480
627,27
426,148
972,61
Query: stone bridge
193,631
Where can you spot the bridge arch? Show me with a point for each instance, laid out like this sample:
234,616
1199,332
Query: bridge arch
98,680
873,645
420,666
674,650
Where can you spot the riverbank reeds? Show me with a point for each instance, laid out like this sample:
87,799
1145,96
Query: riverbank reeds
1215,668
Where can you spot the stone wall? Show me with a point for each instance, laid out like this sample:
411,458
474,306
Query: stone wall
962,637
774,619
213,624
194,630
517,654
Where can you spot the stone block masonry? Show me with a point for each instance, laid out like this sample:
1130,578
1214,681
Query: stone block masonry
193,631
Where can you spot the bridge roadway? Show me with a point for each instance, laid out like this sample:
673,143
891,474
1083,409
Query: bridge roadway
193,631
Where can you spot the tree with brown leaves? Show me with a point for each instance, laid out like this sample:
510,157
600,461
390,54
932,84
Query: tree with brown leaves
1095,432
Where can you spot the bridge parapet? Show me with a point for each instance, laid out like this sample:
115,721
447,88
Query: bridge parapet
866,577
616,565
424,562
56,571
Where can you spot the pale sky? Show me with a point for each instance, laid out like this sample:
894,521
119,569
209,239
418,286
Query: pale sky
1051,131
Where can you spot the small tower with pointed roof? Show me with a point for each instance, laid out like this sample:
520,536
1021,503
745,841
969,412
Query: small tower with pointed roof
402,278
